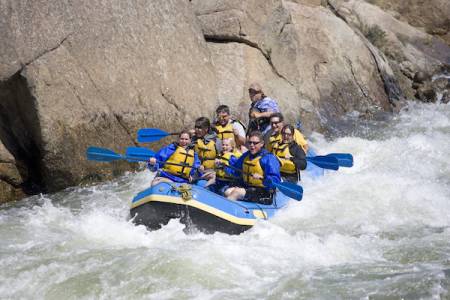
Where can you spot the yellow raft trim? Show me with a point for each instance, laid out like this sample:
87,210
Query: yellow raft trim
194,203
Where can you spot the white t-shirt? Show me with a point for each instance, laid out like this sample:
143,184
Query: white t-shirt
240,129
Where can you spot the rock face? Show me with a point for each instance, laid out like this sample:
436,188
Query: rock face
409,49
10,178
75,74
432,15
304,56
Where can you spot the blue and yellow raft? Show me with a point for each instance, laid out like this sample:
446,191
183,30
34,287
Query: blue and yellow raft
200,208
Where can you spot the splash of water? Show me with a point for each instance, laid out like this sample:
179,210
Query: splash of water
380,229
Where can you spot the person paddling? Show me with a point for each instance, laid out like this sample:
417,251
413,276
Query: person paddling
290,154
258,170
178,160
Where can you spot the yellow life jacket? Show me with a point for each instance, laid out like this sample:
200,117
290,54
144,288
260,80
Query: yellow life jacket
298,138
225,159
287,165
225,132
252,166
180,156
206,153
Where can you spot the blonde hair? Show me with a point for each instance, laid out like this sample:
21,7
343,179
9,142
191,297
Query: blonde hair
232,142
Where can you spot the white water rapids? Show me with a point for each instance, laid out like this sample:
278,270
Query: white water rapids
379,230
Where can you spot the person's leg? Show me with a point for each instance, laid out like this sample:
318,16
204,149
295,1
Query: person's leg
235,193
160,179
211,177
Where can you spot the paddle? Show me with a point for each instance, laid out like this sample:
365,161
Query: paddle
102,154
344,159
290,189
324,162
133,154
147,135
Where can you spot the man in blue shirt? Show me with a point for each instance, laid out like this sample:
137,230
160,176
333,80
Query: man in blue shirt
261,109
258,170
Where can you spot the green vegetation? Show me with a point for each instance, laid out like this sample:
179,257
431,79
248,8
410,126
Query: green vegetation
375,35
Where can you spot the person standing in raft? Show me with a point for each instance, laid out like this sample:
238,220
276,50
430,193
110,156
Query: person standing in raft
226,127
290,154
274,135
207,145
178,160
260,110
229,155
258,169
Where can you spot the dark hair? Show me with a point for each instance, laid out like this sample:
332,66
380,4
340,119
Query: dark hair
185,131
288,126
223,109
257,134
203,123
277,115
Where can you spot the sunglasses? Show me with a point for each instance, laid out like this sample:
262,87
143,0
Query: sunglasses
253,143
275,122
252,91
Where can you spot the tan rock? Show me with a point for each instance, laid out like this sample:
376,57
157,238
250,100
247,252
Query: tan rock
92,73
316,66
432,15
413,49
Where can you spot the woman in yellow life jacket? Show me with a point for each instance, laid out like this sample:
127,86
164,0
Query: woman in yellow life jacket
277,123
229,155
290,154
176,162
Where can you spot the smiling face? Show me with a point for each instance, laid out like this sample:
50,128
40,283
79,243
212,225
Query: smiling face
227,145
184,140
254,144
223,118
287,135
276,124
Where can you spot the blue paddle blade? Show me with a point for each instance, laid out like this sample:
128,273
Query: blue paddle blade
325,162
139,154
344,159
147,135
290,189
102,154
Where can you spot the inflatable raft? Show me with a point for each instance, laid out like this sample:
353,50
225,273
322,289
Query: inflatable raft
200,208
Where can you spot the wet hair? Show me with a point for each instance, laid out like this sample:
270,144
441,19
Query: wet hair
256,133
223,109
203,123
287,126
277,115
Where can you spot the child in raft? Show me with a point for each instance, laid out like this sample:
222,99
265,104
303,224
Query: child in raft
229,154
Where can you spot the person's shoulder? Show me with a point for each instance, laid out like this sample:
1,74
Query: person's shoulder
268,99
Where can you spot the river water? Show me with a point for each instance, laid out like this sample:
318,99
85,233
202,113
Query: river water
379,230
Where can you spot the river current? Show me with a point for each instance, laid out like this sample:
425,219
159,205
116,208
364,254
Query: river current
379,230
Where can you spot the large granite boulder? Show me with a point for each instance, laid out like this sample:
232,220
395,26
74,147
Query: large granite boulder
11,181
311,61
432,15
80,73
409,49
